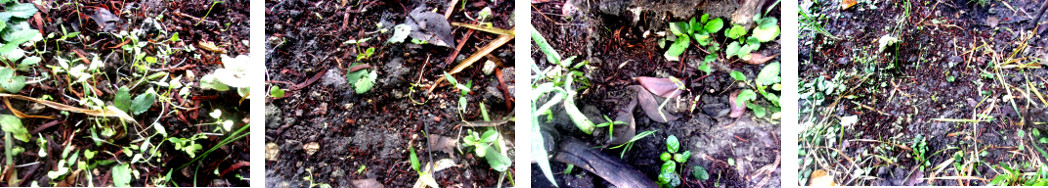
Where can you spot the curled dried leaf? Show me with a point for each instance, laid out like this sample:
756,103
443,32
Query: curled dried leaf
651,106
757,59
663,87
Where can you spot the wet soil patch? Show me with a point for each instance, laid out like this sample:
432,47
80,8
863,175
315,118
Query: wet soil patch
362,137
937,87
618,50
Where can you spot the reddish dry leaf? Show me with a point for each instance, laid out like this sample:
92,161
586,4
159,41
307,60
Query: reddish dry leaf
736,109
757,59
663,87
651,106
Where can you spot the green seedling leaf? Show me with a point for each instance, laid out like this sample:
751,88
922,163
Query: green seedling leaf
700,173
705,17
11,82
13,125
672,144
143,102
122,175
364,85
20,36
414,160
714,25
123,99
682,157
735,32
733,49
738,75
21,10
769,75
767,29
497,161
693,26
758,110
677,48
705,66
276,92
678,28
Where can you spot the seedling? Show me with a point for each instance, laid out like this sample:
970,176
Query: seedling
485,146
309,178
276,92
362,79
768,78
234,74
668,176
425,177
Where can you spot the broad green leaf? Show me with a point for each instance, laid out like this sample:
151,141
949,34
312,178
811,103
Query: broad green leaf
714,25
677,48
21,10
123,99
497,161
121,175
11,82
745,96
705,66
143,102
678,28
700,173
13,125
668,167
769,75
276,92
735,32
672,144
733,49
705,17
745,50
20,36
364,85
758,110
693,26
738,75
767,29
489,136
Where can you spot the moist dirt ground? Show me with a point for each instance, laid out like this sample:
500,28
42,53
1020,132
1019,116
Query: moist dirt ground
955,101
91,147
324,131
619,50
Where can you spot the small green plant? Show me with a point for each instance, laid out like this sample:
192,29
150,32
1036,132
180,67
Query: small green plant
423,176
701,30
464,90
14,25
700,173
362,79
276,92
920,151
485,146
629,144
309,178
767,79
233,74
668,176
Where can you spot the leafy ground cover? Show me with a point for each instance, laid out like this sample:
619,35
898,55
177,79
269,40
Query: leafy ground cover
922,93
392,93
100,93
645,93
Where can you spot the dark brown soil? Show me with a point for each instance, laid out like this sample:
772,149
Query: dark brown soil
942,70
181,116
366,136
618,51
